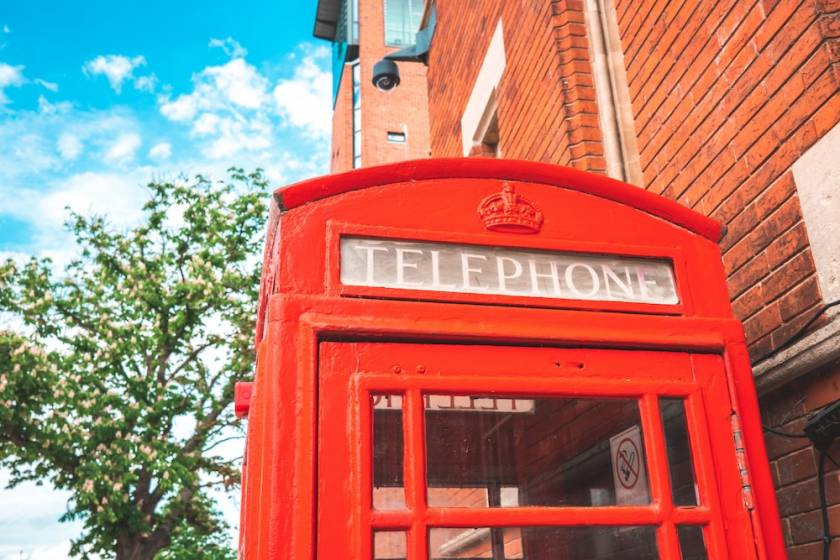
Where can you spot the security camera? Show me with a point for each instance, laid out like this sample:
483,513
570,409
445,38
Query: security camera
386,75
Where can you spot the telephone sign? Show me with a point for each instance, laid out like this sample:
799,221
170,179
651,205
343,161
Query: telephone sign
447,267
498,359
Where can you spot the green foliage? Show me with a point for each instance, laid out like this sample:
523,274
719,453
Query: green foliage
145,334
190,544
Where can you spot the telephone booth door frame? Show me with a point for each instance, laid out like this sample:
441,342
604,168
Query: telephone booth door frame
351,373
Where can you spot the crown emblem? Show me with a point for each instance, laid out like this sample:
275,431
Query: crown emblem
509,213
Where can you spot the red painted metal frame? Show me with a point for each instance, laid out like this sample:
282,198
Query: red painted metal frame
302,309
360,370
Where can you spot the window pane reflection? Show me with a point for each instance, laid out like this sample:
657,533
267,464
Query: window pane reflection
692,546
545,543
679,452
388,491
499,543
389,545
505,452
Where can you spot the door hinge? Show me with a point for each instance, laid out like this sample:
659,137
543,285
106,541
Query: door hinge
743,465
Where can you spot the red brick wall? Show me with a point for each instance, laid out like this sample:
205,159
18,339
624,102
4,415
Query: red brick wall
793,463
545,100
726,96
403,106
341,156
581,145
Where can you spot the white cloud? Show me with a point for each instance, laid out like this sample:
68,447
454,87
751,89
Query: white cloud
32,143
120,196
229,105
304,99
26,511
116,68
10,76
238,83
146,83
236,136
207,123
231,47
69,146
183,108
116,195
233,85
52,86
236,108
163,150
47,108
123,148
6,29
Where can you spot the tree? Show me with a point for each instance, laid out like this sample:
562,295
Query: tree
119,383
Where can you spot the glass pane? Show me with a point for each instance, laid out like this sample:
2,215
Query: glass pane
389,545
388,492
692,546
480,542
402,21
677,445
545,543
502,451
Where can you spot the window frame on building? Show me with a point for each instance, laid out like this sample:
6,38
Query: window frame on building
412,16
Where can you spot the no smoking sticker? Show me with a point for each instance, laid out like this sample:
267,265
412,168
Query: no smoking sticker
628,462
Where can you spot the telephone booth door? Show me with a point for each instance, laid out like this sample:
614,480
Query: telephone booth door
445,451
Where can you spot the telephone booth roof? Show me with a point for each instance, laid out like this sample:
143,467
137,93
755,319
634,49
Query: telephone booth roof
437,200
311,190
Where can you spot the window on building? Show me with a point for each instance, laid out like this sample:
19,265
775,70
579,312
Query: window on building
396,137
345,42
402,21
357,116
615,112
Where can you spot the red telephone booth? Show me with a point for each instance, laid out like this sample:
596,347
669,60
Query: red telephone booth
499,359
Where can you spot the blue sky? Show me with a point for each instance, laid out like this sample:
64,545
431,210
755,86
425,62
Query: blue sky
98,98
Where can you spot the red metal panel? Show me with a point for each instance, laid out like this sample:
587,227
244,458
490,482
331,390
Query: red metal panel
351,372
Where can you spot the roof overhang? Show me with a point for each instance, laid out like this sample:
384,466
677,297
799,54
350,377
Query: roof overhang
326,19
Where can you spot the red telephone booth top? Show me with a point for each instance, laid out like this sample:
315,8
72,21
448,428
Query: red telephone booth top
499,359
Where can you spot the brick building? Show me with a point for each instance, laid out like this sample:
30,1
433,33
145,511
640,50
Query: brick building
369,127
730,108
